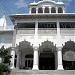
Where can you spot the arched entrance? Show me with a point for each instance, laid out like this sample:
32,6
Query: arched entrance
47,56
69,55
26,55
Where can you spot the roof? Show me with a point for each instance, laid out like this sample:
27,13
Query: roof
13,17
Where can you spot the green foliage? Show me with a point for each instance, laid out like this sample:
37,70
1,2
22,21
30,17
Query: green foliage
3,68
5,55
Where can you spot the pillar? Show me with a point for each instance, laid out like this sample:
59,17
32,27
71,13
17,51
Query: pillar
43,9
35,59
63,10
56,9
59,55
29,10
49,9
36,10
36,28
13,58
58,28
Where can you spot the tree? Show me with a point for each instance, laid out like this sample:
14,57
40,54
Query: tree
5,55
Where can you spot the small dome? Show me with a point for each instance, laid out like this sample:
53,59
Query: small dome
60,3
34,3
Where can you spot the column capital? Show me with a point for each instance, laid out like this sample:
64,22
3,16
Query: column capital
59,48
12,48
36,48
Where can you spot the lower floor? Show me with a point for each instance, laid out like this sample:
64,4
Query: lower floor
44,57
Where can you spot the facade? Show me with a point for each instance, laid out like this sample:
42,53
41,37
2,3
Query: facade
44,39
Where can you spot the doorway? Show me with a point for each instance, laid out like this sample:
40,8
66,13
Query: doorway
47,61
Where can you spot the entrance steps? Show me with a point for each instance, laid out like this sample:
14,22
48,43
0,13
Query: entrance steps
42,72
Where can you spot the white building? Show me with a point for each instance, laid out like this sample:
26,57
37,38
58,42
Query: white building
44,39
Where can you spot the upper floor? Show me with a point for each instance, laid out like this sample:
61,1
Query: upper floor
46,6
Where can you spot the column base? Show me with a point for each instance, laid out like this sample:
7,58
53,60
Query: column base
12,67
35,67
60,67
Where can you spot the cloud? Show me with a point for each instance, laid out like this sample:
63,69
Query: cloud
21,4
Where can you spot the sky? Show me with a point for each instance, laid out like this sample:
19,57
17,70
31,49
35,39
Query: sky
8,7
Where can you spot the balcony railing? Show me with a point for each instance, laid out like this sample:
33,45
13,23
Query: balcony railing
67,31
47,31
26,31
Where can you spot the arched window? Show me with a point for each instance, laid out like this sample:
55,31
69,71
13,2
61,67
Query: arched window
46,10
60,10
53,10
33,10
40,10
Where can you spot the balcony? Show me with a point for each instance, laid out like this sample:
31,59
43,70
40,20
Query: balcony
67,31
47,31
25,31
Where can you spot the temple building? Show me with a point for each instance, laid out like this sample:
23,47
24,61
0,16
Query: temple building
43,39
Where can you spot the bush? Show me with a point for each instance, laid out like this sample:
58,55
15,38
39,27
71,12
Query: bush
4,68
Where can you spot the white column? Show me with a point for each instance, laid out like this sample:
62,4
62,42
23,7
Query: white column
59,54
43,9
36,28
35,59
63,10
13,58
49,9
36,10
58,28
56,9
30,10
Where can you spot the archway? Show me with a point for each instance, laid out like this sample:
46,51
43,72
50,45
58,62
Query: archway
47,56
26,55
69,55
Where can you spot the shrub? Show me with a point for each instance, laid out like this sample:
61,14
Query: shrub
4,68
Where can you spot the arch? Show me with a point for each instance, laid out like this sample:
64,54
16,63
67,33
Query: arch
40,10
46,10
33,10
68,52
47,56
53,10
60,10
25,45
26,55
47,44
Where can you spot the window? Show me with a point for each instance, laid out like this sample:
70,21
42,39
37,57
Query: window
33,10
47,25
40,10
67,24
60,10
25,25
53,10
46,10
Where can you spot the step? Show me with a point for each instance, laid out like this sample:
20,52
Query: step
42,72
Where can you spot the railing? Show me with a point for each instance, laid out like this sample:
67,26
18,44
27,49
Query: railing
67,31
26,31
47,31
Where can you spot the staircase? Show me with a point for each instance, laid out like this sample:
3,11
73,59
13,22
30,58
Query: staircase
42,72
